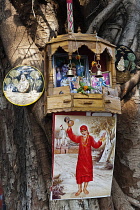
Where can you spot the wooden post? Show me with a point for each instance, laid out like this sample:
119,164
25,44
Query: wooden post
113,70
51,77
45,80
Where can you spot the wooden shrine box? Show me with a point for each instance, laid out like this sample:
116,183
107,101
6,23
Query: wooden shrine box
91,48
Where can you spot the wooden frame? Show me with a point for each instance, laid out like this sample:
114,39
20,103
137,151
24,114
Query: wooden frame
61,63
99,82
57,99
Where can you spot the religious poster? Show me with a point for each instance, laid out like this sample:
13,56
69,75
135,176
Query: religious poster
23,85
83,155
78,67
98,82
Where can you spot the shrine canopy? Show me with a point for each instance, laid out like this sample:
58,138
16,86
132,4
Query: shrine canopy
62,91
72,41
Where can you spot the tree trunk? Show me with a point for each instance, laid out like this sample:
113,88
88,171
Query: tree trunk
20,48
25,140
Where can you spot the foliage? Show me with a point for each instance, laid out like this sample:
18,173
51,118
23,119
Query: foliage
57,189
84,88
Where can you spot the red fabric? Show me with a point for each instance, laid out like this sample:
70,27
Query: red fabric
83,128
69,1
0,203
84,168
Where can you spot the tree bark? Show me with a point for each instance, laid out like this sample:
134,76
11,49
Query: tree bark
19,47
103,16
25,140
119,198
106,203
128,86
131,27
134,202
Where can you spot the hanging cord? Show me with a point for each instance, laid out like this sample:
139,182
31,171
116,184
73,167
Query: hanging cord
70,64
96,46
33,1
98,64
87,73
77,50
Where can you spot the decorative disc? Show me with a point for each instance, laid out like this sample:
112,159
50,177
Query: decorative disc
125,59
23,85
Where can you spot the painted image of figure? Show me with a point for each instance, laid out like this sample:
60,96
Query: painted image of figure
84,168
23,85
58,77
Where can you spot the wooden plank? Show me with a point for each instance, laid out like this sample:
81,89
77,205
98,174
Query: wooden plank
59,110
78,109
88,109
80,102
59,102
61,90
112,104
80,37
88,103
82,96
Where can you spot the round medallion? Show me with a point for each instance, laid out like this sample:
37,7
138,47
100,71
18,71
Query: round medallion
125,59
23,85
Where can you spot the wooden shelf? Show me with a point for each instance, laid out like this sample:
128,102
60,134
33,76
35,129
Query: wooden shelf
80,102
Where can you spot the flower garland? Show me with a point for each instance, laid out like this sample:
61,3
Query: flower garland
83,88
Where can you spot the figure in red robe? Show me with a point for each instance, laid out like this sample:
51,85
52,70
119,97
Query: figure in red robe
84,168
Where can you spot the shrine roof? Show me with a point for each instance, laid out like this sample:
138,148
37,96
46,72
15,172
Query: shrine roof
80,37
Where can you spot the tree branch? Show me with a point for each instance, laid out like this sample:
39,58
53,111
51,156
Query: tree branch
129,85
103,16
119,199
133,18
19,47
106,203
133,201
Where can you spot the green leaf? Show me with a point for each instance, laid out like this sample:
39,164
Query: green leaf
89,88
81,83
79,89
131,57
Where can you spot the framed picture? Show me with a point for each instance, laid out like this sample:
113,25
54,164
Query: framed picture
98,82
61,65
23,85
83,155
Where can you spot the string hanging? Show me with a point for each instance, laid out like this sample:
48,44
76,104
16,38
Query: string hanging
33,8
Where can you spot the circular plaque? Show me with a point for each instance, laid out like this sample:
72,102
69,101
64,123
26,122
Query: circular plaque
23,85
125,59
